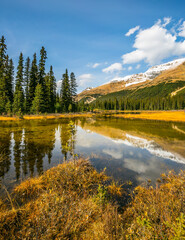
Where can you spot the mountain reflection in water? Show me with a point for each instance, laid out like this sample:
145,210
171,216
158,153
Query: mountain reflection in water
129,149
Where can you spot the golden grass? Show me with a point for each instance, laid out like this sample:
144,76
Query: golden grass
71,201
3,118
48,116
157,213
172,116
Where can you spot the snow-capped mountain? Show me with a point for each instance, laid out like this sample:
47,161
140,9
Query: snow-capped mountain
88,88
150,74
59,83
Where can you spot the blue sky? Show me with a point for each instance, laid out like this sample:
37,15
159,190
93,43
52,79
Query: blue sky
92,38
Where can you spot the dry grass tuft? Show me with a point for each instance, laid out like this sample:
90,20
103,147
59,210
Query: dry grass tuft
72,201
157,213
28,190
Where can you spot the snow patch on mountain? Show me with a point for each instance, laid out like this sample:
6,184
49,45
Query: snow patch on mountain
150,74
88,88
59,84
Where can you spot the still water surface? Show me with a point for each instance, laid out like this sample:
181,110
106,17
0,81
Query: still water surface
134,150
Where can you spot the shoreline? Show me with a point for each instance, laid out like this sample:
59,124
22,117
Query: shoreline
47,116
166,116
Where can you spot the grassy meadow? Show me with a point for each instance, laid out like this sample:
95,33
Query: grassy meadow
74,201
172,116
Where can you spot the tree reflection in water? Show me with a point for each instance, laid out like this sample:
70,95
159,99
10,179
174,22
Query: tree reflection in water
28,145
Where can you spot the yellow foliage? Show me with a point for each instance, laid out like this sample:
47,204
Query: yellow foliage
28,189
172,116
63,204
115,188
157,212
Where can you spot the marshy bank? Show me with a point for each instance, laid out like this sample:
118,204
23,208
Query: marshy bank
74,201
158,115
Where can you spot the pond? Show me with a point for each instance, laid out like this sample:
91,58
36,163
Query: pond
130,150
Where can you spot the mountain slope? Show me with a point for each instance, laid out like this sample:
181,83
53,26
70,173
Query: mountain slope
164,85
158,80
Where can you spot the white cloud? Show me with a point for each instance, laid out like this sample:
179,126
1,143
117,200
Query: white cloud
114,153
112,68
182,30
84,79
155,44
133,57
95,65
167,20
129,68
132,31
158,22
138,66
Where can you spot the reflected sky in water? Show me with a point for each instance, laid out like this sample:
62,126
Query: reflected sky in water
129,150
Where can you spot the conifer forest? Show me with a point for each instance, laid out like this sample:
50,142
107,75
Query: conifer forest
29,89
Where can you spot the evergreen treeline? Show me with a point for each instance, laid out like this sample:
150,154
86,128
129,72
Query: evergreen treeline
155,103
34,90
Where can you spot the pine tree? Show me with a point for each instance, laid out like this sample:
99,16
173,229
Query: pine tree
8,107
18,104
26,84
73,90
41,75
3,95
65,92
57,104
9,78
38,104
51,90
3,49
33,80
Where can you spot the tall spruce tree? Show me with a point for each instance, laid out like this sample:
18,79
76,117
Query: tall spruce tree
26,85
10,82
9,78
3,95
58,103
51,90
73,89
18,104
33,80
38,104
42,62
73,85
65,92
41,74
9,71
